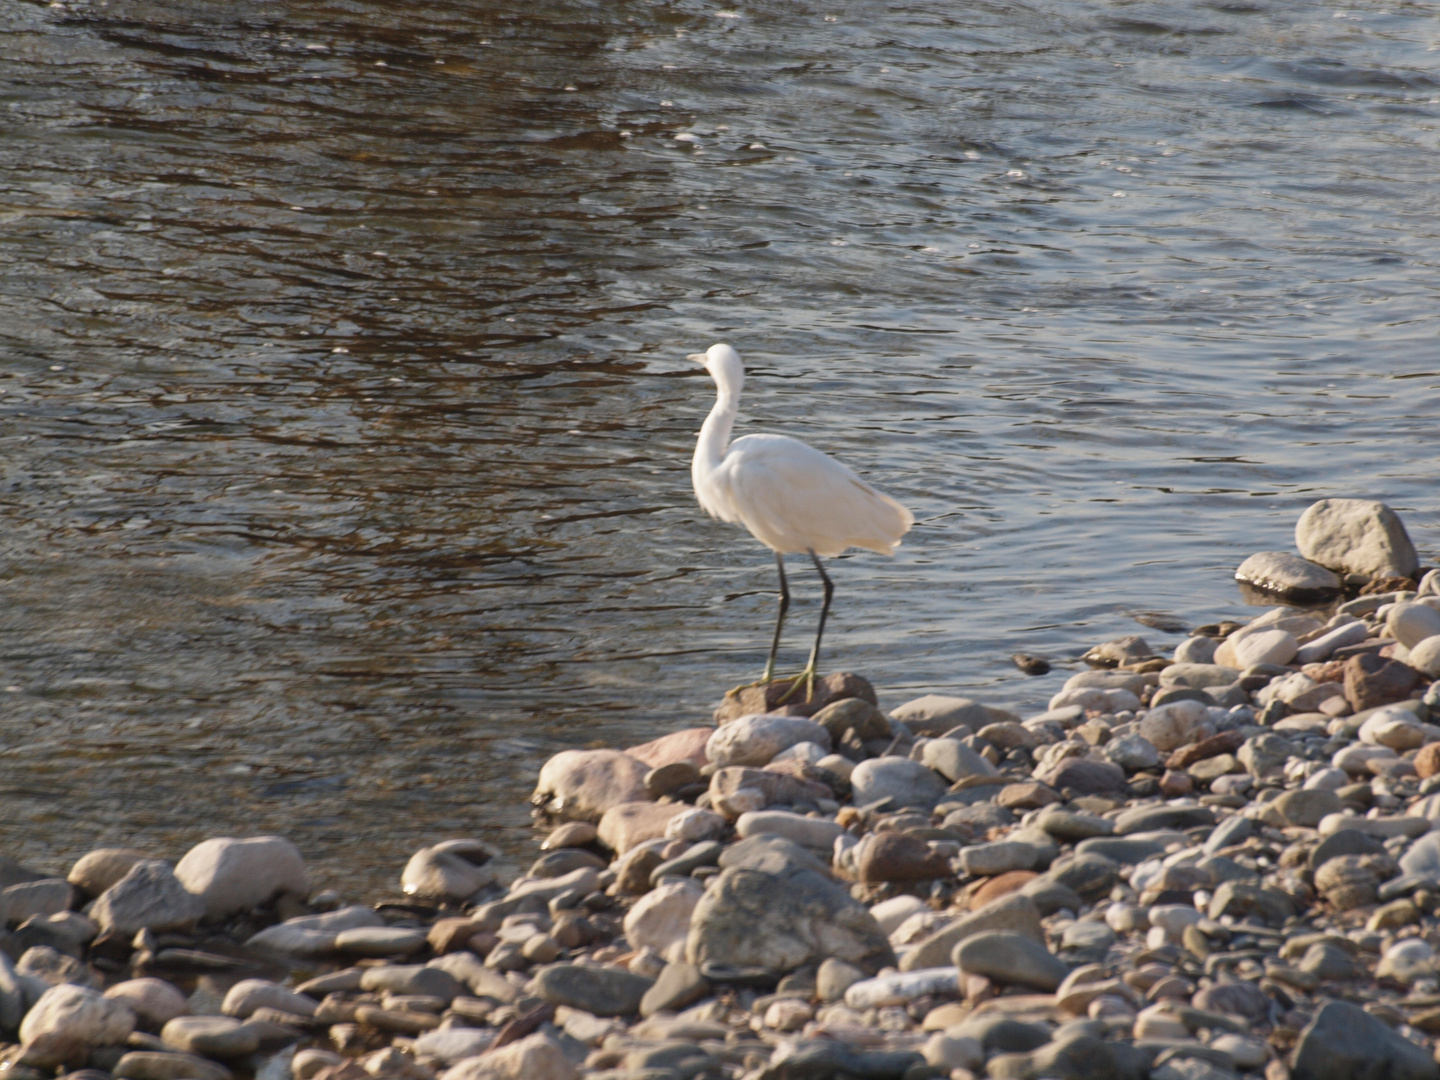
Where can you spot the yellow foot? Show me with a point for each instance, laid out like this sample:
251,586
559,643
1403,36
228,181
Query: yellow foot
808,676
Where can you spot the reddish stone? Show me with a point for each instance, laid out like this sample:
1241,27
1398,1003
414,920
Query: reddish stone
1085,777
1027,796
1227,742
1001,885
451,935
1174,785
1427,761
900,857
1371,680
687,745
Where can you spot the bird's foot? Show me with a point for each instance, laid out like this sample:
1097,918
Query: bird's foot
808,678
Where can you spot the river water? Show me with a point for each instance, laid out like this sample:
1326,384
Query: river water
346,421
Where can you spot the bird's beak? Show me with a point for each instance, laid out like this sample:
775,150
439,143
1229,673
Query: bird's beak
698,357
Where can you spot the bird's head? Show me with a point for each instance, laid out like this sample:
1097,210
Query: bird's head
723,364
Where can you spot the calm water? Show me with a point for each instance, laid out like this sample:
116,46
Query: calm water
346,421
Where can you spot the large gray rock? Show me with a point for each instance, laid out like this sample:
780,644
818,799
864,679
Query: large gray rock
232,875
1015,913
69,1020
580,785
935,714
1344,1042
1287,575
783,921
1356,536
149,897
904,782
603,991
952,759
1010,960
757,737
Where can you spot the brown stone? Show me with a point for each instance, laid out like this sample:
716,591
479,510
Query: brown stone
1372,680
1227,742
571,834
671,778
1084,776
1427,760
1027,796
1175,785
632,871
1000,885
687,745
894,856
452,935
631,824
762,699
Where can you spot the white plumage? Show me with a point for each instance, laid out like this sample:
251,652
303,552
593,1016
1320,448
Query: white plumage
790,496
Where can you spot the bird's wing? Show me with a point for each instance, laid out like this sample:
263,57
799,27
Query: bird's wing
792,497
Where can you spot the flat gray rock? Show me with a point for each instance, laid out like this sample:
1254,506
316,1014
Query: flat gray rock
149,897
1344,1042
603,991
1287,575
1011,960
783,921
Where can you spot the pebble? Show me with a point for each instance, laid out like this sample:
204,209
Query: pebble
221,1037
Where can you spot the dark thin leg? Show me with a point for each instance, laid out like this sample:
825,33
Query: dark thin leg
824,611
808,675
780,619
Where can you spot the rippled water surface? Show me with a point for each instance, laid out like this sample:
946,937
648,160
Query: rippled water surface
346,420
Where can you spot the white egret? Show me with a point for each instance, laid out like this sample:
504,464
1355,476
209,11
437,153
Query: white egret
791,497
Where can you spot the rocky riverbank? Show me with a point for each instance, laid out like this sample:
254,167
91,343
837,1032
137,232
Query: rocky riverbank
1212,864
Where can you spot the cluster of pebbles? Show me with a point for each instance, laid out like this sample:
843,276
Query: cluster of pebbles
1203,866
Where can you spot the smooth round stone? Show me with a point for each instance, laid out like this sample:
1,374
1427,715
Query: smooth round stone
159,1065
211,1036
380,941
571,834
1129,851
1305,808
1010,959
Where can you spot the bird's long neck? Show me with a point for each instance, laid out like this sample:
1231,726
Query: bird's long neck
715,432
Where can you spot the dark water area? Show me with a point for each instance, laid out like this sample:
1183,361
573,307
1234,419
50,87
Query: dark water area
344,417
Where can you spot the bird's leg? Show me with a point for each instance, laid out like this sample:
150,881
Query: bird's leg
779,620
810,668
